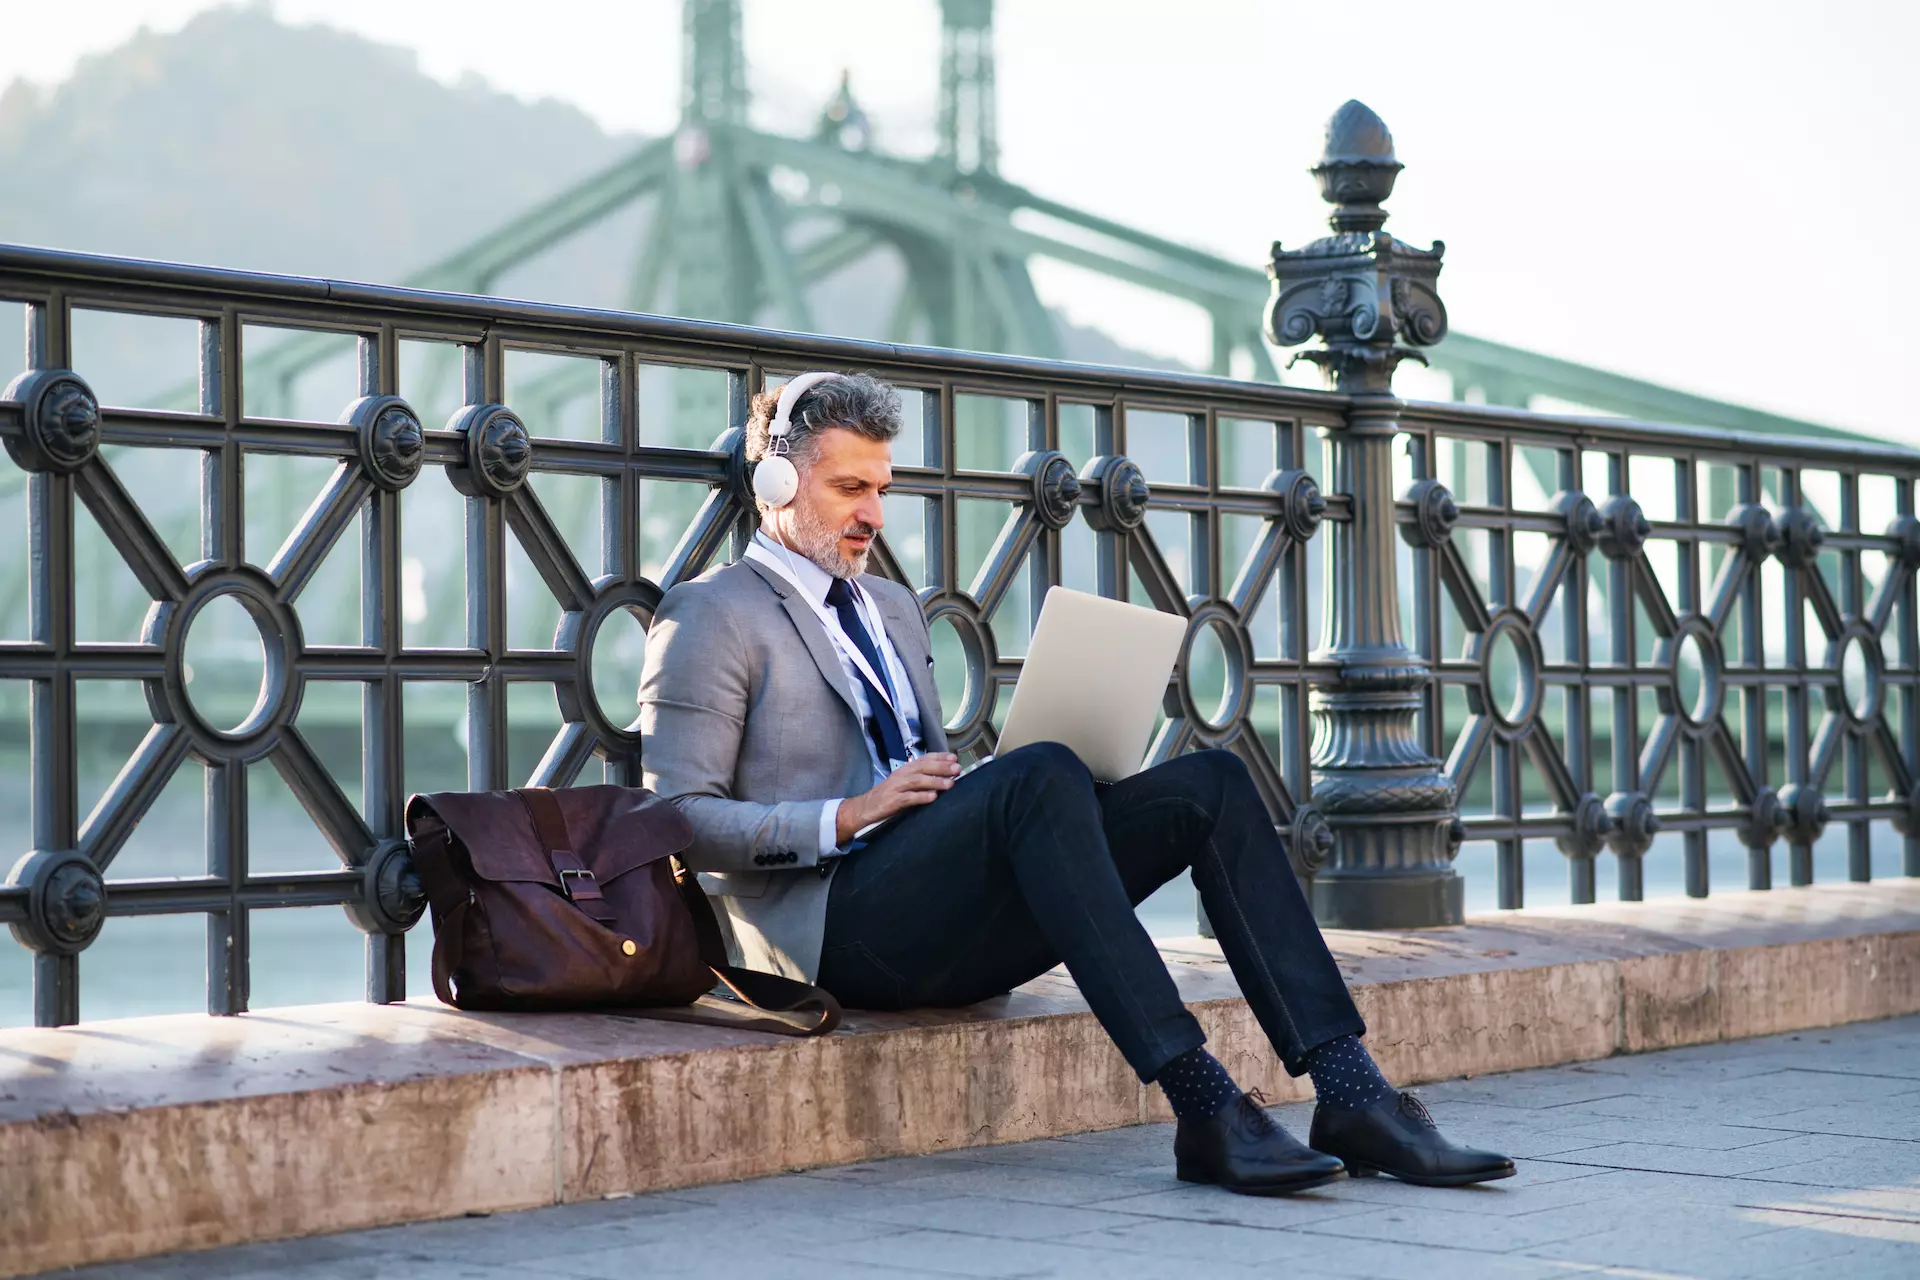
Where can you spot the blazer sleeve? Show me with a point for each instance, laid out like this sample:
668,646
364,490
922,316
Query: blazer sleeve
695,692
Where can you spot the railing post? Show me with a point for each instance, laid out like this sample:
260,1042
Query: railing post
1390,804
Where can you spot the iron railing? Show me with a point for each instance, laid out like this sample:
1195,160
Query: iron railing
1533,629
1540,656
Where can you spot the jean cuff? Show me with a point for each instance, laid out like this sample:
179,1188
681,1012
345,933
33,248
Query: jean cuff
1296,1063
1150,1064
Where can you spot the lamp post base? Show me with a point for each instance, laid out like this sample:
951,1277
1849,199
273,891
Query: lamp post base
1418,901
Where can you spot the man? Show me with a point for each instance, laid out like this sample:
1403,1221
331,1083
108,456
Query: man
788,709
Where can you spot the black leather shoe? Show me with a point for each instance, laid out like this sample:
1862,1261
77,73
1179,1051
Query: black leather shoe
1397,1137
1239,1147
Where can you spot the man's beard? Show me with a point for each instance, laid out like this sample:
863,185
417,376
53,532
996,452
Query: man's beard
816,542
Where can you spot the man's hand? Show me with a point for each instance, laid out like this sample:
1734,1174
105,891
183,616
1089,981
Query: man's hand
914,783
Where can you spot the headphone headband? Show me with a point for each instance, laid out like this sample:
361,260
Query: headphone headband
795,388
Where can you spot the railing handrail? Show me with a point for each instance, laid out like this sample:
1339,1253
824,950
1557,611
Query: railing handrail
21,263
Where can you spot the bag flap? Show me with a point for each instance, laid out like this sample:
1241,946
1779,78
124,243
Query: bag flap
613,830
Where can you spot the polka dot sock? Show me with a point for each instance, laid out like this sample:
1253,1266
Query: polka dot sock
1196,1084
1344,1075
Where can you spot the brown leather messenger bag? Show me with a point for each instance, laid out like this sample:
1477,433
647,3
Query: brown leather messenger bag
570,900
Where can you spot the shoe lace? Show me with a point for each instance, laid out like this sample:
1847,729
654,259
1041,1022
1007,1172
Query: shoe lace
1257,1119
1414,1109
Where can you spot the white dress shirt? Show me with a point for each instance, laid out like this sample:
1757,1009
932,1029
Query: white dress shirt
813,583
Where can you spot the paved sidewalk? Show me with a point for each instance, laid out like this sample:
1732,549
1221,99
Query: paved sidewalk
1792,1155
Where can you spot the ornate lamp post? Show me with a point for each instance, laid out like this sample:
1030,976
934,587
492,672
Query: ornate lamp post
1364,293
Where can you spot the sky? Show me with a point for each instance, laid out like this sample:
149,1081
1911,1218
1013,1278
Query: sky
1708,195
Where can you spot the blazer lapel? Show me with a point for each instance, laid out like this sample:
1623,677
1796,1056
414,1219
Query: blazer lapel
812,634
908,635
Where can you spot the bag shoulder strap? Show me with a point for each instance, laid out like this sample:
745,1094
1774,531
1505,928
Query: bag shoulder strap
577,880
796,1008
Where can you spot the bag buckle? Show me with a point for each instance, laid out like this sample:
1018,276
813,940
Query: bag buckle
578,873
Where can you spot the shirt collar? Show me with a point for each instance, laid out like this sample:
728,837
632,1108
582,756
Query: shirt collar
806,575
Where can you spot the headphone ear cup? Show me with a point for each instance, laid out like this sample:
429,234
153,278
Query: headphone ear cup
775,480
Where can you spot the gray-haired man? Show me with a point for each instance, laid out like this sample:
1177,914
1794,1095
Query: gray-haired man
788,706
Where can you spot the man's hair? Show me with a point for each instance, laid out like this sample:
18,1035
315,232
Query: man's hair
852,401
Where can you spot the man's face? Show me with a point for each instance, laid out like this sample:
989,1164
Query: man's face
836,513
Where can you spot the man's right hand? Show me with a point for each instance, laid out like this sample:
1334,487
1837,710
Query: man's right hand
917,782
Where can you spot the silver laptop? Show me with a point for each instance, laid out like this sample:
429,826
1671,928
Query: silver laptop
1094,675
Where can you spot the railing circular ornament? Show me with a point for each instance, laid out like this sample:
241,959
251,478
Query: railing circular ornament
1634,823
1056,490
1583,520
391,440
497,451
1860,689
66,901
1512,715
1589,826
1123,492
1806,812
1766,819
60,421
961,612
280,642
1692,635
1310,838
1798,537
1757,533
577,634
1624,528
1302,505
1238,651
1434,514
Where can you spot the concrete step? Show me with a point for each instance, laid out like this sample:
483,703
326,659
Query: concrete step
127,1138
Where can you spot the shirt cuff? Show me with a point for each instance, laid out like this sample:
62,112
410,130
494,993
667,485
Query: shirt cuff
829,829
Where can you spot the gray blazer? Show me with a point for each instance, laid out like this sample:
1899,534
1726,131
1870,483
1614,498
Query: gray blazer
749,726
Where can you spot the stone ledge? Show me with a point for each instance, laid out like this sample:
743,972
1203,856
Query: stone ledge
122,1139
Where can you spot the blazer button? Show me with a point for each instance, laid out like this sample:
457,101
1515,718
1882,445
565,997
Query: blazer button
759,859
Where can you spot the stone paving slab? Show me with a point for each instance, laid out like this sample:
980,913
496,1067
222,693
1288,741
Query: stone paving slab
1695,1197
147,1135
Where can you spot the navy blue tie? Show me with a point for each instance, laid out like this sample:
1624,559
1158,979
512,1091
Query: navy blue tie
882,725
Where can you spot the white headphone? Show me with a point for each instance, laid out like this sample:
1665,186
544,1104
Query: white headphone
775,479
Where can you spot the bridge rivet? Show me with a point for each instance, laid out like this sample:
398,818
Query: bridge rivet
1766,819
66,901
1905,532
1907,821
1798,536
392,442
1312,839
1806,813
1124,494
1634,823
1591,825
1302,506
1757,533
498,451
1434,513
1583,520
392,898
1056,490
1624,528
61,417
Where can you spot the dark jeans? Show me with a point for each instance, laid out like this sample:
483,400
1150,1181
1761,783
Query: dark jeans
1027,863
